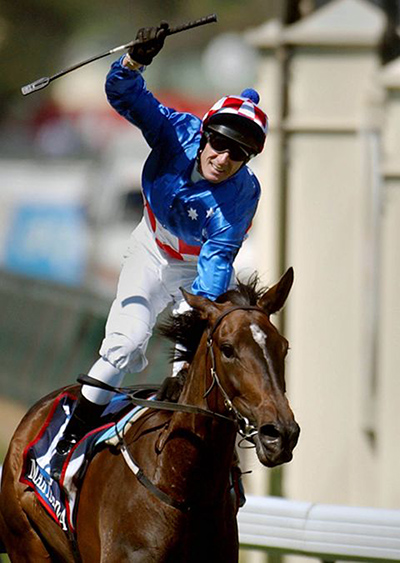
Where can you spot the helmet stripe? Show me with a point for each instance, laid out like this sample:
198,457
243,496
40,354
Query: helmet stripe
239,106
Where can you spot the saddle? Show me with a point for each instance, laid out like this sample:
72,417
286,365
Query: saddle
60,499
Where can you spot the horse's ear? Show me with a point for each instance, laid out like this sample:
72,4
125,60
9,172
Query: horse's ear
204,306
274,299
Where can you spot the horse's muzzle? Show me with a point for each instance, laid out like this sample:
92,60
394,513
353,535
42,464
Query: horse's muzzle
275,442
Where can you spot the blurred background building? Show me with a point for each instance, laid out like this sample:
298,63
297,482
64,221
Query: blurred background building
329,76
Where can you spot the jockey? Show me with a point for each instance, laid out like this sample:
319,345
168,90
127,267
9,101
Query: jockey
199,202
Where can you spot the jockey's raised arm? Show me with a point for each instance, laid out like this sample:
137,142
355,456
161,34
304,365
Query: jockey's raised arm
200,198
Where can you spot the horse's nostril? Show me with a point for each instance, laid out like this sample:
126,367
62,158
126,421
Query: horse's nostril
270,431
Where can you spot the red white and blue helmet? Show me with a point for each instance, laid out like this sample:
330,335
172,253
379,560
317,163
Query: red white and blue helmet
240,119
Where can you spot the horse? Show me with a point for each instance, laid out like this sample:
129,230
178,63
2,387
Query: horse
184,509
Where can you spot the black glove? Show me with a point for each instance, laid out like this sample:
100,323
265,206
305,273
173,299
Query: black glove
172,387
151,42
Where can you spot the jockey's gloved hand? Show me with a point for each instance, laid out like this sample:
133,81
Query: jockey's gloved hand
171,387
151,42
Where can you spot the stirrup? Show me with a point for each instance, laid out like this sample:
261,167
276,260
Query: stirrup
84,417
63,448
66,444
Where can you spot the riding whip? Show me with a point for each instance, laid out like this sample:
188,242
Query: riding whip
45,81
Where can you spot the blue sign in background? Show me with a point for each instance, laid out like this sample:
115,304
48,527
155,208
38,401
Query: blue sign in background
48,241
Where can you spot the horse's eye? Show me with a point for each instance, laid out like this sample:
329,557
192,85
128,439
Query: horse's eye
227,350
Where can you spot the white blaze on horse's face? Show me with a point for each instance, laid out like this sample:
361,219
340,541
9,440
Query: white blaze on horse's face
261,339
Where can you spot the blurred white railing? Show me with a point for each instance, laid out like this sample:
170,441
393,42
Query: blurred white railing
326,532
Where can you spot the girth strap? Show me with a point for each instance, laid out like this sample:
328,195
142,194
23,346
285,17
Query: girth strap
127,454
145,481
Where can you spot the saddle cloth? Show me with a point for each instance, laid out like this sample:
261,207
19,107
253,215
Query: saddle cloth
61,499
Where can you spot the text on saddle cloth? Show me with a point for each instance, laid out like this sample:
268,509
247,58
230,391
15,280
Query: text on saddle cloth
60,500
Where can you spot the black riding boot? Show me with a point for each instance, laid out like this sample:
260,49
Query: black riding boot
84,418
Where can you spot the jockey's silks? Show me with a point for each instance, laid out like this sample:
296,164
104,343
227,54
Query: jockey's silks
196,220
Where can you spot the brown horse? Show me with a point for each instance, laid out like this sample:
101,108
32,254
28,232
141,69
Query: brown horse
184,511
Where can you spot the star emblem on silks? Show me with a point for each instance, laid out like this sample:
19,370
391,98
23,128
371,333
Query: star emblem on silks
193,214
210,212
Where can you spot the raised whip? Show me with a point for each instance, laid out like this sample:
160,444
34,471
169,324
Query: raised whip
45,81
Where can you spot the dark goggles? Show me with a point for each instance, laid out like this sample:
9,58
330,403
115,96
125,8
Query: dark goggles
220,144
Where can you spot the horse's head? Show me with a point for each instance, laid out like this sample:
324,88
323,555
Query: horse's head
246,355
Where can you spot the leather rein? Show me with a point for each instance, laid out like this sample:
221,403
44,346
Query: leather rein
244,427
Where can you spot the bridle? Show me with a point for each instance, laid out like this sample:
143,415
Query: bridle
245,428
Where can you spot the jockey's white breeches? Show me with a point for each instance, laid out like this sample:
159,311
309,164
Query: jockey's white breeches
148,282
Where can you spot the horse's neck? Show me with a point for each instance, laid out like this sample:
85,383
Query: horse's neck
199,382
203,445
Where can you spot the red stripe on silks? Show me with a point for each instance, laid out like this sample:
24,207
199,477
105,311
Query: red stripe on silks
184,248
169,250
151,215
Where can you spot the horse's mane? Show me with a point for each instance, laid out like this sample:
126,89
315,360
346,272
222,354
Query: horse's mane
186,329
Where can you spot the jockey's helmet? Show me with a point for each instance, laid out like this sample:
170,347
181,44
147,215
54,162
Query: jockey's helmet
240,119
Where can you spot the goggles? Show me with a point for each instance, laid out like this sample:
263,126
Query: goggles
221,144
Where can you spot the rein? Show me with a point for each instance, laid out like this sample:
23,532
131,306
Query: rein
245,428
132,391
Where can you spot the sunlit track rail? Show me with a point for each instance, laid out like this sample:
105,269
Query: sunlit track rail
326,532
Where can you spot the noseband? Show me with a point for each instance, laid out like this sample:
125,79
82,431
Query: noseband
245,428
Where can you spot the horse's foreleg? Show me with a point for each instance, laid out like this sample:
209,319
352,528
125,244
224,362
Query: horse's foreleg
22,544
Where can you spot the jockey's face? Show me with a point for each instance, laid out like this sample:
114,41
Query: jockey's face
217,166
